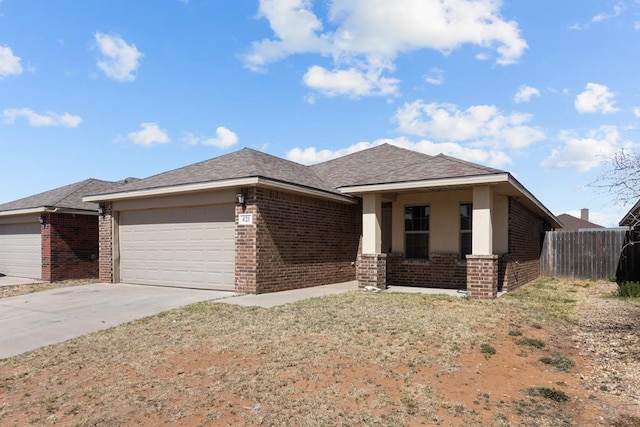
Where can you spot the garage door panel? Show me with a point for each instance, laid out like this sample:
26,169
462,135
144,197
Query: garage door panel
190,247
21,250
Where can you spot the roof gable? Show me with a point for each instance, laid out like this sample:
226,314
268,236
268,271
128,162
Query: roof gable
68,196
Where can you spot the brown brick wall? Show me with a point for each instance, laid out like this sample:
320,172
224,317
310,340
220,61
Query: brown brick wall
300,241
440,271
105,244
522,264
246,244
69,247
482,276
372,270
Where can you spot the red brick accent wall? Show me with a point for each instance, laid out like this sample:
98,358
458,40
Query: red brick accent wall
444,271
372,270
300,242
69,247
482,276
522,263
105,243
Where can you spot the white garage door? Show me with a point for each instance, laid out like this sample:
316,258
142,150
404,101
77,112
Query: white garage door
21,250
184,247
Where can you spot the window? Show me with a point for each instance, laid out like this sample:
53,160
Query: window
466,220
416,232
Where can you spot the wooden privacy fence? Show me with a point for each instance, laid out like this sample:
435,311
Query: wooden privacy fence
599,254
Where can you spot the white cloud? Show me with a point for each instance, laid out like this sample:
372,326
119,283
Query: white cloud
49,119
603,16
479,125
364,34
636,25
311,155
224,138
350,82
150,134
119,60
9,63
636,112
584,152
525,93
435,77
595,98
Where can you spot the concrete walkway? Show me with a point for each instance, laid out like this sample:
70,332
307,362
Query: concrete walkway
13,281
285,297
38,319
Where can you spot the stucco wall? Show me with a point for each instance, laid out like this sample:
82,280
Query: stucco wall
445,220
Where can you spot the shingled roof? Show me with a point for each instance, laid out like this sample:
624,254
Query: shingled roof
389,164
244,163
571,223
66,197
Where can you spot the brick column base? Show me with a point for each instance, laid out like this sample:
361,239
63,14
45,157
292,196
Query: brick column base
482,276
372,270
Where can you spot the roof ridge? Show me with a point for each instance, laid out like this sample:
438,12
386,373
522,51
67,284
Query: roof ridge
79,186
468,163
392,146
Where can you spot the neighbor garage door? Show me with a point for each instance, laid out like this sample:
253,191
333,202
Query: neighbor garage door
21,250
185,247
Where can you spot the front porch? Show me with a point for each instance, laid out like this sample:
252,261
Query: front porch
435,239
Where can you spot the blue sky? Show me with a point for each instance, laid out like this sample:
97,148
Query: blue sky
111,89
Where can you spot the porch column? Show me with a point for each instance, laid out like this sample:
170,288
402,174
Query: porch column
371,220
372,263
482,227
482,264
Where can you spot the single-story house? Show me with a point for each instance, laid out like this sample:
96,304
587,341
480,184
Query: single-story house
53,235
251,222
632,218
572,223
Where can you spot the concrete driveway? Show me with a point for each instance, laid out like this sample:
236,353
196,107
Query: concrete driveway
42,318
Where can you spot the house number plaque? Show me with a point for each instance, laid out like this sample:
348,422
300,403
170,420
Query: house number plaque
245,219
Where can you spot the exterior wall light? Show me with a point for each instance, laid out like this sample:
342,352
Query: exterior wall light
101,211
240,197
41,220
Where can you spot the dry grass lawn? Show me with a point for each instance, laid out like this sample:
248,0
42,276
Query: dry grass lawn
353,359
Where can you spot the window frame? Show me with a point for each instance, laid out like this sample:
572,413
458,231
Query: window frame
421,232
465,231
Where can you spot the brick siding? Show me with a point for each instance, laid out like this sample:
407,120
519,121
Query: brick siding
522,264
442,270
372,270
69,247
482,276
105,243
297,242
246,245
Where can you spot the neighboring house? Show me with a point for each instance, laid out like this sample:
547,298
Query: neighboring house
571,223
632,218
251,222
53,235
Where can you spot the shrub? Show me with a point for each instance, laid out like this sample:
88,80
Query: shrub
532,342
488,349
629,290
549,393
561,363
